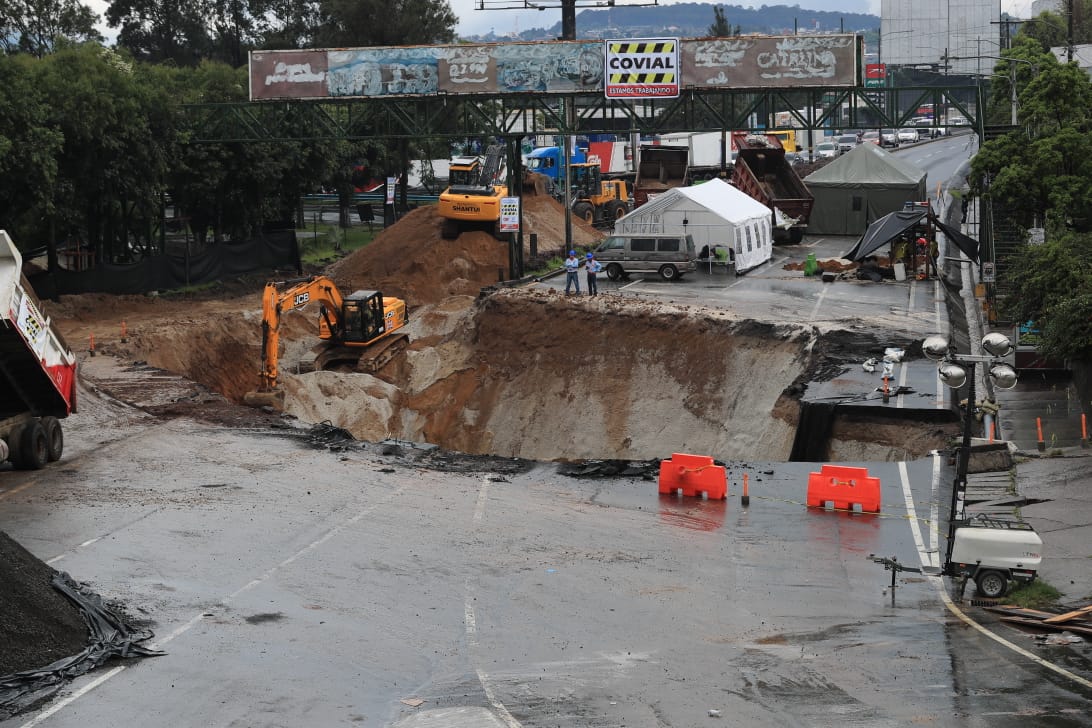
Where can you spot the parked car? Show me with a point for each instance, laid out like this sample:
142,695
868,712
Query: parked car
908,135
958,121
826,150
846,142
870,137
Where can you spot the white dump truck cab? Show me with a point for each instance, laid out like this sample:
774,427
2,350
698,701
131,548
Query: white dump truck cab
993,552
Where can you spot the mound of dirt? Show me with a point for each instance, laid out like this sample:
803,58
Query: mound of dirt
411,260
39,625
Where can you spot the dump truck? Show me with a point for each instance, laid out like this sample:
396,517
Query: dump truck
37,371
659,168
762,171
711,154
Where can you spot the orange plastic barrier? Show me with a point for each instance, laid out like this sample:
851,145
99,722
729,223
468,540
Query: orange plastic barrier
693,475
844,486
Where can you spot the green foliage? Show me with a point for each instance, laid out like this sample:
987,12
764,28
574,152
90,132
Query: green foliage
1034,595
1050,29
721,28
1051,284
385,22
38,26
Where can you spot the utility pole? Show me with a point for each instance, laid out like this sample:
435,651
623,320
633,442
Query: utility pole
1069,32
568,32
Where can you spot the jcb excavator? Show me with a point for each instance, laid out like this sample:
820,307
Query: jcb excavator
472,200
595,200
360,330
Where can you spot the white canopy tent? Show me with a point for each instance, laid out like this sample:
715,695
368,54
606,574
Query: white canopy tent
714,213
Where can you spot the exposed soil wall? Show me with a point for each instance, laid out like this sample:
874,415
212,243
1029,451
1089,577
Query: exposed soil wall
536,375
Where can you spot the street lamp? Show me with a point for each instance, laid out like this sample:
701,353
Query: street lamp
1012,76
955,370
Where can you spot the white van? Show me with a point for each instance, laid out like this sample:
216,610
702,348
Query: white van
665,254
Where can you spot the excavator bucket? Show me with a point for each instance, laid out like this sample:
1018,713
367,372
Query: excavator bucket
274,399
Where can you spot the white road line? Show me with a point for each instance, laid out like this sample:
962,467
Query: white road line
934,512
900,400
61,704
938,584
911,511
910,301
818,303
470,620
197,619
483,496
497,705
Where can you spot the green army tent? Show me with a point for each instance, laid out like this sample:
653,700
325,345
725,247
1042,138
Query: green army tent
860,187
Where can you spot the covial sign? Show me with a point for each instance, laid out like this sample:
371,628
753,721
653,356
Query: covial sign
641,68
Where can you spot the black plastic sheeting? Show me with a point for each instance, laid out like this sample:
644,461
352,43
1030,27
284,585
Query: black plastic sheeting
892,225
271,250
109,637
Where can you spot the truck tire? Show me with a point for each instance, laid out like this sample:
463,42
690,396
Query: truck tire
584,211
616,209
669,272
796,235
54,437
614,271
33,450
991,584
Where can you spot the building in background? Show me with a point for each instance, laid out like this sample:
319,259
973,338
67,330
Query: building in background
1040,6
926,32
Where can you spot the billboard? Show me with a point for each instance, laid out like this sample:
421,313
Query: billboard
548,67
642,68
926,32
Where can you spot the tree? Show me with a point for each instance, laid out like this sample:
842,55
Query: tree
356,23
28,150
162,30
1051,29
35,26
1052,287
721,28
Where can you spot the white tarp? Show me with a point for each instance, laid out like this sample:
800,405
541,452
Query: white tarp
714,213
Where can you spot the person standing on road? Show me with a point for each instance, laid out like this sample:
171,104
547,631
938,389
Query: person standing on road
572,272
592,266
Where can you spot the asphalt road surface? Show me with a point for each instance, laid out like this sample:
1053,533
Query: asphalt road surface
295,585
291,585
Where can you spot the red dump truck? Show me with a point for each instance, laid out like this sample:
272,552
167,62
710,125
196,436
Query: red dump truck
762,171
659,168
37,371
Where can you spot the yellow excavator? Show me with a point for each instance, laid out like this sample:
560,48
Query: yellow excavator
360,330
472,200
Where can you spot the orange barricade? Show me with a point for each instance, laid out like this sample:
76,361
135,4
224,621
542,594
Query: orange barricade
693,475
844,486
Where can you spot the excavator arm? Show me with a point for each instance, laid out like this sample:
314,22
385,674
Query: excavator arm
277,298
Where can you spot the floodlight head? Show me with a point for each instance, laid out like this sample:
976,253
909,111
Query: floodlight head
935,347
1003,376
953,375
997,344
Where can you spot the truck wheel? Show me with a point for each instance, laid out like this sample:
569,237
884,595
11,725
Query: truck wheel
669,272
991,584
796,235
54,437
33,452
614,271
585,212
616,209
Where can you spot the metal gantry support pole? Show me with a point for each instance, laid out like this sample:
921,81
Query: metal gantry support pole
959,486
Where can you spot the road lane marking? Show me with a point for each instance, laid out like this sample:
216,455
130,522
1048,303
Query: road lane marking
926,559
934,511
818,303
470,618
197,619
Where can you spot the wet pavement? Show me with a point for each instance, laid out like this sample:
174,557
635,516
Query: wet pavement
297,585
292,585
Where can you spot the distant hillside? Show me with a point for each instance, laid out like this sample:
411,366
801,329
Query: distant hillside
692,20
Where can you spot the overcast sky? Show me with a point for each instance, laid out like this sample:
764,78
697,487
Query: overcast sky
474,22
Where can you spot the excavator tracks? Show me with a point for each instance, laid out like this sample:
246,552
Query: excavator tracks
368,360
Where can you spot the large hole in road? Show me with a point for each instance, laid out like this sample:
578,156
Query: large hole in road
535,374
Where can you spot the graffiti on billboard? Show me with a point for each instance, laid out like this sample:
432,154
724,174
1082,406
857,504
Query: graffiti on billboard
548,67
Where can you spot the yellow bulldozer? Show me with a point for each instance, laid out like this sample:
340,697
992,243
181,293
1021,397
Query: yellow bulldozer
595,200
359,331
